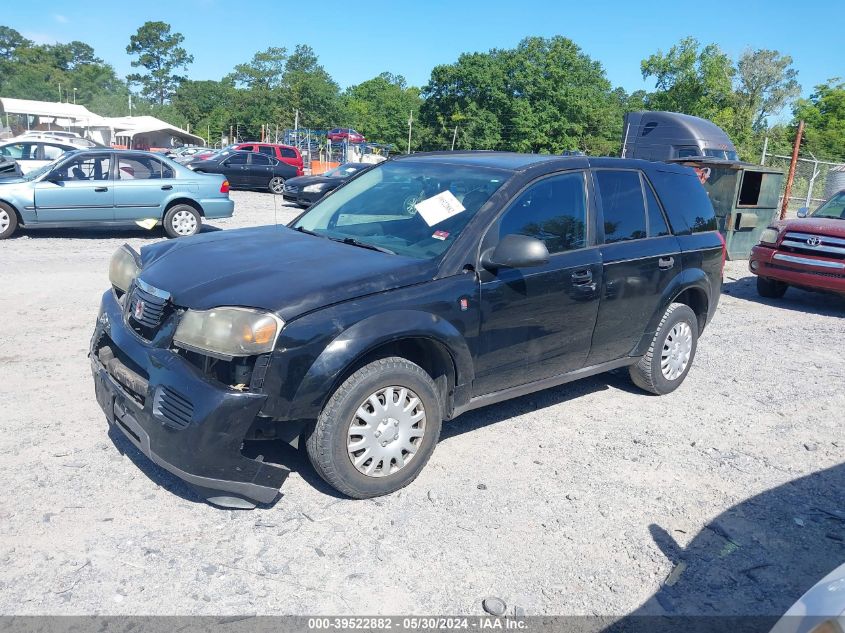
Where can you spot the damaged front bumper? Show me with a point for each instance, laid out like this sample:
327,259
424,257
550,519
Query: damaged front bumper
183,421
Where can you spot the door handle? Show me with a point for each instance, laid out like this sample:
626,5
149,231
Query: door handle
101,189
665,263
166,187
580,277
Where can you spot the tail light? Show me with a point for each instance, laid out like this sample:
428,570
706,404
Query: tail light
224,188
724,251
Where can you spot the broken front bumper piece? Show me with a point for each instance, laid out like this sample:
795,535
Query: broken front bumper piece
177,417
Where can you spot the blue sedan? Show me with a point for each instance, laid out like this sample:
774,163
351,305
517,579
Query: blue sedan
111,187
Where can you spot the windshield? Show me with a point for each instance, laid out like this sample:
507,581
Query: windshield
721,153
833,208
35,173
411,208
344,171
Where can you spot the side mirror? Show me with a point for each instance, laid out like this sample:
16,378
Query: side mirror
54,177
803,212
516,251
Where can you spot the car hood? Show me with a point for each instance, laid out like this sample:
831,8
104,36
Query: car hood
273,268
819,226
303,181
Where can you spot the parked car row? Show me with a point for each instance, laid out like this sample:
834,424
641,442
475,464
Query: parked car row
306,190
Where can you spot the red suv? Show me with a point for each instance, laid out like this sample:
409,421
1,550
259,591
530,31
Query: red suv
345,133
808,252
285,153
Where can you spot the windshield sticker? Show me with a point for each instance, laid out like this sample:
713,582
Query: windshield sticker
440,235
440,207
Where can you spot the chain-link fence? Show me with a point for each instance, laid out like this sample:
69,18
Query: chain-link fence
815,180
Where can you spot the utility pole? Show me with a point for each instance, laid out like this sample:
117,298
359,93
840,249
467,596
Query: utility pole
74,96
130,104
296,123
792,165
208,133
765,147
410,127
60,93
230,134
454,138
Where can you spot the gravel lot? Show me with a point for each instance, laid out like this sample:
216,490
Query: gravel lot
576,500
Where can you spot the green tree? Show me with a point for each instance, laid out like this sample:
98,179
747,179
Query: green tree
265,71
379,108
691,79
160,53
824,118
766,83
308,88
545,95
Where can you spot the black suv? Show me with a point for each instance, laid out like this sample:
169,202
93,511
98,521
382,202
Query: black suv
425,287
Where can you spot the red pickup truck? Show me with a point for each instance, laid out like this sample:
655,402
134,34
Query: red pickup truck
807,252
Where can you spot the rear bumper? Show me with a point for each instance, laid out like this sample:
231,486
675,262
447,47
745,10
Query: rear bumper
796,269
204,448
218,207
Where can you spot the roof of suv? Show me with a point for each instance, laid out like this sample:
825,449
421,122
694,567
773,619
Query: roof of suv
515,161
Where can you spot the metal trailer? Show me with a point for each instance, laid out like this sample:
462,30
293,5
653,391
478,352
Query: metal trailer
745,197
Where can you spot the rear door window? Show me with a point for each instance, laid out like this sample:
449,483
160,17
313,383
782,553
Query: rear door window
288,153
260,159
239,158
622,205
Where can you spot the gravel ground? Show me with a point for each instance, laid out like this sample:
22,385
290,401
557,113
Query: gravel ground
576,500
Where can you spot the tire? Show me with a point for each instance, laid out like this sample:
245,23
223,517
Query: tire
276,185
182,220
770,288
8,221
333,442
670,355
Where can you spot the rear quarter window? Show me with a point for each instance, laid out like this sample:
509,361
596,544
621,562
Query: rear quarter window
684,200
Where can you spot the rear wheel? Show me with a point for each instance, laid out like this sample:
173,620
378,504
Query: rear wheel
182,220
8,221
669,358
276,185
770,288
378,429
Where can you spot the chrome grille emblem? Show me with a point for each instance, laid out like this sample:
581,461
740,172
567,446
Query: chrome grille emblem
813,240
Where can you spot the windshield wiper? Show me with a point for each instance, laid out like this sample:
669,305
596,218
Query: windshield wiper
354,242
307,232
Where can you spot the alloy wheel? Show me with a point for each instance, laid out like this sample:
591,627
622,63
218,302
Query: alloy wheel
277,185
5,220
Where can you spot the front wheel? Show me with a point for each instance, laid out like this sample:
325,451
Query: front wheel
770,288
276,185
182,220
8,221
378,429
669,358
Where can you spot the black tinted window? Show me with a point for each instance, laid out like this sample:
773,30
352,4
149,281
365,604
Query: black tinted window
288,153
656,222
686,203
554,210
237,159
260,159
266,149
622,204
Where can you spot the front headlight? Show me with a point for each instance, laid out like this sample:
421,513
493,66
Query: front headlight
124,267
769,236
228,332
317,188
